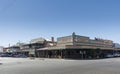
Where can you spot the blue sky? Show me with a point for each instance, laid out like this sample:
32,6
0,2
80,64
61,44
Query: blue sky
27,19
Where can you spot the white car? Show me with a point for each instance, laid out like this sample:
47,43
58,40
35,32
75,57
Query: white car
116,55
109,56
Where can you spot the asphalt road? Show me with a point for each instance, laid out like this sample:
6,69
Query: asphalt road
56,66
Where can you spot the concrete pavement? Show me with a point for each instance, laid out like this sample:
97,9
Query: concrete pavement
59,66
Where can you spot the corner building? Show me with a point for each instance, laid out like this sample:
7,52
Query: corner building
78,47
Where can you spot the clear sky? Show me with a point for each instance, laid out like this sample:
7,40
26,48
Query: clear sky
27,19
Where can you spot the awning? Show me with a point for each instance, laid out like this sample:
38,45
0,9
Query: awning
43,49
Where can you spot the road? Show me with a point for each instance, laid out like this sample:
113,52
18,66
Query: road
57,66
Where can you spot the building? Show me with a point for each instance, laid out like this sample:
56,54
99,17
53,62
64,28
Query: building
13,49
116,45
78,47
5,49
67,47
85,42
31,48
1,49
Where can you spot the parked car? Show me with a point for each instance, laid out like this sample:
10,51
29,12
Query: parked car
20,56
109,56
117,55
4,55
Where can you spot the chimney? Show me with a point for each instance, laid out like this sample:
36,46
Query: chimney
73,33
52,39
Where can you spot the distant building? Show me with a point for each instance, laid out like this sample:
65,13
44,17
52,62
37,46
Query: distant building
1,49
5,49
116,45
14,48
